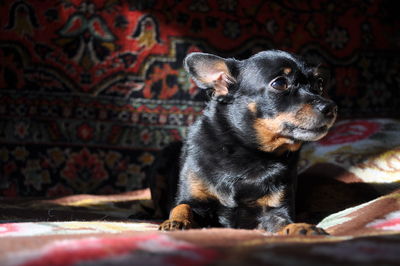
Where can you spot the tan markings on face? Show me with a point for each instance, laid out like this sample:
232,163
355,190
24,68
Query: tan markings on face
182,212
287,70
252,107
288,147
268,130
198,189
269,137
304,115
271,200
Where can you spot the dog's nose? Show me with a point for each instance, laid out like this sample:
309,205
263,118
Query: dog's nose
328,109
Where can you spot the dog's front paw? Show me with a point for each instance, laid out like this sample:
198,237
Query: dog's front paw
301,229
173,225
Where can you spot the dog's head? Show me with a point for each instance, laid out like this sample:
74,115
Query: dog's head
275,101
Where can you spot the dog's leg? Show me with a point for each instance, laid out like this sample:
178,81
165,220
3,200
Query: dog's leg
274,219
282,225
180,218
277,218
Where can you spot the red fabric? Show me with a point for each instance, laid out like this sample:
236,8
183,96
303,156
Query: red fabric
102,80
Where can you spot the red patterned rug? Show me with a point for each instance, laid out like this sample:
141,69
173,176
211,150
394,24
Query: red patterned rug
91,90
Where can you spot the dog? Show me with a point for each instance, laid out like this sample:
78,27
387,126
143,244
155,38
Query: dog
238,163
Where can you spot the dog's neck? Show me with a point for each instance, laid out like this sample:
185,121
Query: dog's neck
217,120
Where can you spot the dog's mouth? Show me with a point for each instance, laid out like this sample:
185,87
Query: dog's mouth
306,133
315,130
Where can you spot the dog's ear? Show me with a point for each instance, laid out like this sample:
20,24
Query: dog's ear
322,71
209,71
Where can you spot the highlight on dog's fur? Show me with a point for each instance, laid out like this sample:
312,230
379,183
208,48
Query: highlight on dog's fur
238,163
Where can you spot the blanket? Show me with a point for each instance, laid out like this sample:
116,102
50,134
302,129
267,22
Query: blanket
96,230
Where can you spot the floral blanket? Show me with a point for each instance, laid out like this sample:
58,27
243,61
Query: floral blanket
367,234
348,184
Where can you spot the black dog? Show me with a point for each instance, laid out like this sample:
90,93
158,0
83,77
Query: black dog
238,164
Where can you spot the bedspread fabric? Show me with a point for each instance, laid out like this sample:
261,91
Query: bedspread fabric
95,230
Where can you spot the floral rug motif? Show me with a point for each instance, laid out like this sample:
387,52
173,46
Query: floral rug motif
91,90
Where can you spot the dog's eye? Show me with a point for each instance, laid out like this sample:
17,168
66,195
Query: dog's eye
279,84
319,85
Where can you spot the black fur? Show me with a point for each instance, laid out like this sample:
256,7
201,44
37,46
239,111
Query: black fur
238,163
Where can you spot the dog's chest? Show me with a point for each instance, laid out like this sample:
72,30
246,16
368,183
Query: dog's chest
246,186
